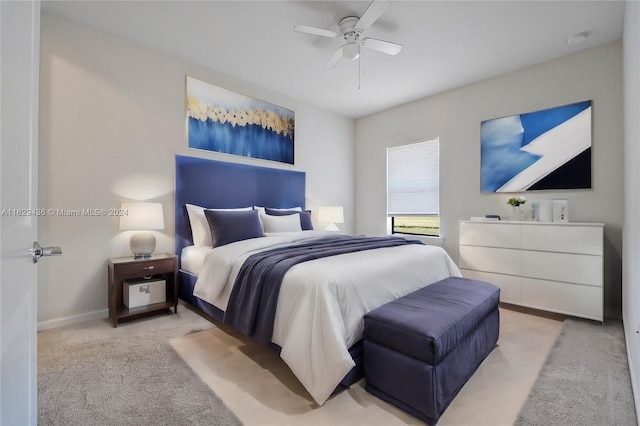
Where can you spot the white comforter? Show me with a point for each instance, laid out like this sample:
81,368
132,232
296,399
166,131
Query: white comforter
322,302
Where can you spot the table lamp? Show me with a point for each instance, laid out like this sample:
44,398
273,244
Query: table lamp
331,215
142,217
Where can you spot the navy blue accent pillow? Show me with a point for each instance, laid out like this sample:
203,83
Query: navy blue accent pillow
305,217
231,226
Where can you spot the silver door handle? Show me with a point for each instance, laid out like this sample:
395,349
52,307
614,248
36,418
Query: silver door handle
37,252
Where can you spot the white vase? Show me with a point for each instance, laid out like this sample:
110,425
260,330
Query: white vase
516,213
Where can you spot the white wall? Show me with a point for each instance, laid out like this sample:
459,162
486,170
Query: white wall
631,246
455,117
112,119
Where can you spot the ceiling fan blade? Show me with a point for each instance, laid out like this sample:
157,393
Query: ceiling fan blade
315,31
388,47
375,9
335,58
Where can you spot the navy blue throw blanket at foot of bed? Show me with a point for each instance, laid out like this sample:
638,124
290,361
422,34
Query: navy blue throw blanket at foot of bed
253,300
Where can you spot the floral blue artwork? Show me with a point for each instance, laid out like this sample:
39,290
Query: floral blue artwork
227,122
549,149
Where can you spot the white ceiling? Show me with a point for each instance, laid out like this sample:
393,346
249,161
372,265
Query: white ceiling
446,44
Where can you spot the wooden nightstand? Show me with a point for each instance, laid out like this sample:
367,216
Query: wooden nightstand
161,266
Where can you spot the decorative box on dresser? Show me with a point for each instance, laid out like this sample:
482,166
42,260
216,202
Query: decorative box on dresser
550,266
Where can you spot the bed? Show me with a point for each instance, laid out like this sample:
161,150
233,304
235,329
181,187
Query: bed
317,324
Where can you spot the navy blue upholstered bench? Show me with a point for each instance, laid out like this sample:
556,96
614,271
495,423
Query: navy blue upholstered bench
420,349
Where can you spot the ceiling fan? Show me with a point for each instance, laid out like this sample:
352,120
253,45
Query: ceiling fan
351,29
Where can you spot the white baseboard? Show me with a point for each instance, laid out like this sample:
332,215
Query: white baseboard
75,319
632,373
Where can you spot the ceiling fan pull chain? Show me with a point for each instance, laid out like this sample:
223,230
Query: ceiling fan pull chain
359,74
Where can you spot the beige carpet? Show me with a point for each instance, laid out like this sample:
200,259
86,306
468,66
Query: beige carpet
260,389
94,374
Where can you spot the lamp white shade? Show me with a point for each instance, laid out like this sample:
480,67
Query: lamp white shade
142,216
331,215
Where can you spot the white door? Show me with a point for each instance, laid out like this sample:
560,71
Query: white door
19,68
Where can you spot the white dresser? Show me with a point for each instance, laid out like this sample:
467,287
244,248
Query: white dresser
555,267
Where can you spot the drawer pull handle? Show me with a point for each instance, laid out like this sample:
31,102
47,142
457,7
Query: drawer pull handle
148,268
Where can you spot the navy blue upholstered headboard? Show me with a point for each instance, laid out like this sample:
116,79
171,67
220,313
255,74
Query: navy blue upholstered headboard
218,184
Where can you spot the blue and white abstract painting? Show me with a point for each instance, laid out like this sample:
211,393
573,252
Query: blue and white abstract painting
224,121
549,149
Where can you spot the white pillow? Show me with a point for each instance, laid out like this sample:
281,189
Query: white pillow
288,223
261,209
200,230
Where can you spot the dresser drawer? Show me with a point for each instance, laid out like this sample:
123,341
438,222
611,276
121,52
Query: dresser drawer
563,298
490,259
565,239
571,268
490,235
510,285
143,268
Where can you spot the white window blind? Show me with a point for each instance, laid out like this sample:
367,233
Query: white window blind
413,179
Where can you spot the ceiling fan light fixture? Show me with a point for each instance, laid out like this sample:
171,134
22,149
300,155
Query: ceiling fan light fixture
351,29
351,51
577,39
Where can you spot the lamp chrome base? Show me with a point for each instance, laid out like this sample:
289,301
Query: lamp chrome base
142,244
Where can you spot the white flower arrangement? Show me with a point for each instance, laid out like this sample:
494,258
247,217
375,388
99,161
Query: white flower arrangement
268,120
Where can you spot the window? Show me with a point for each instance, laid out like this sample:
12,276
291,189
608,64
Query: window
413,188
